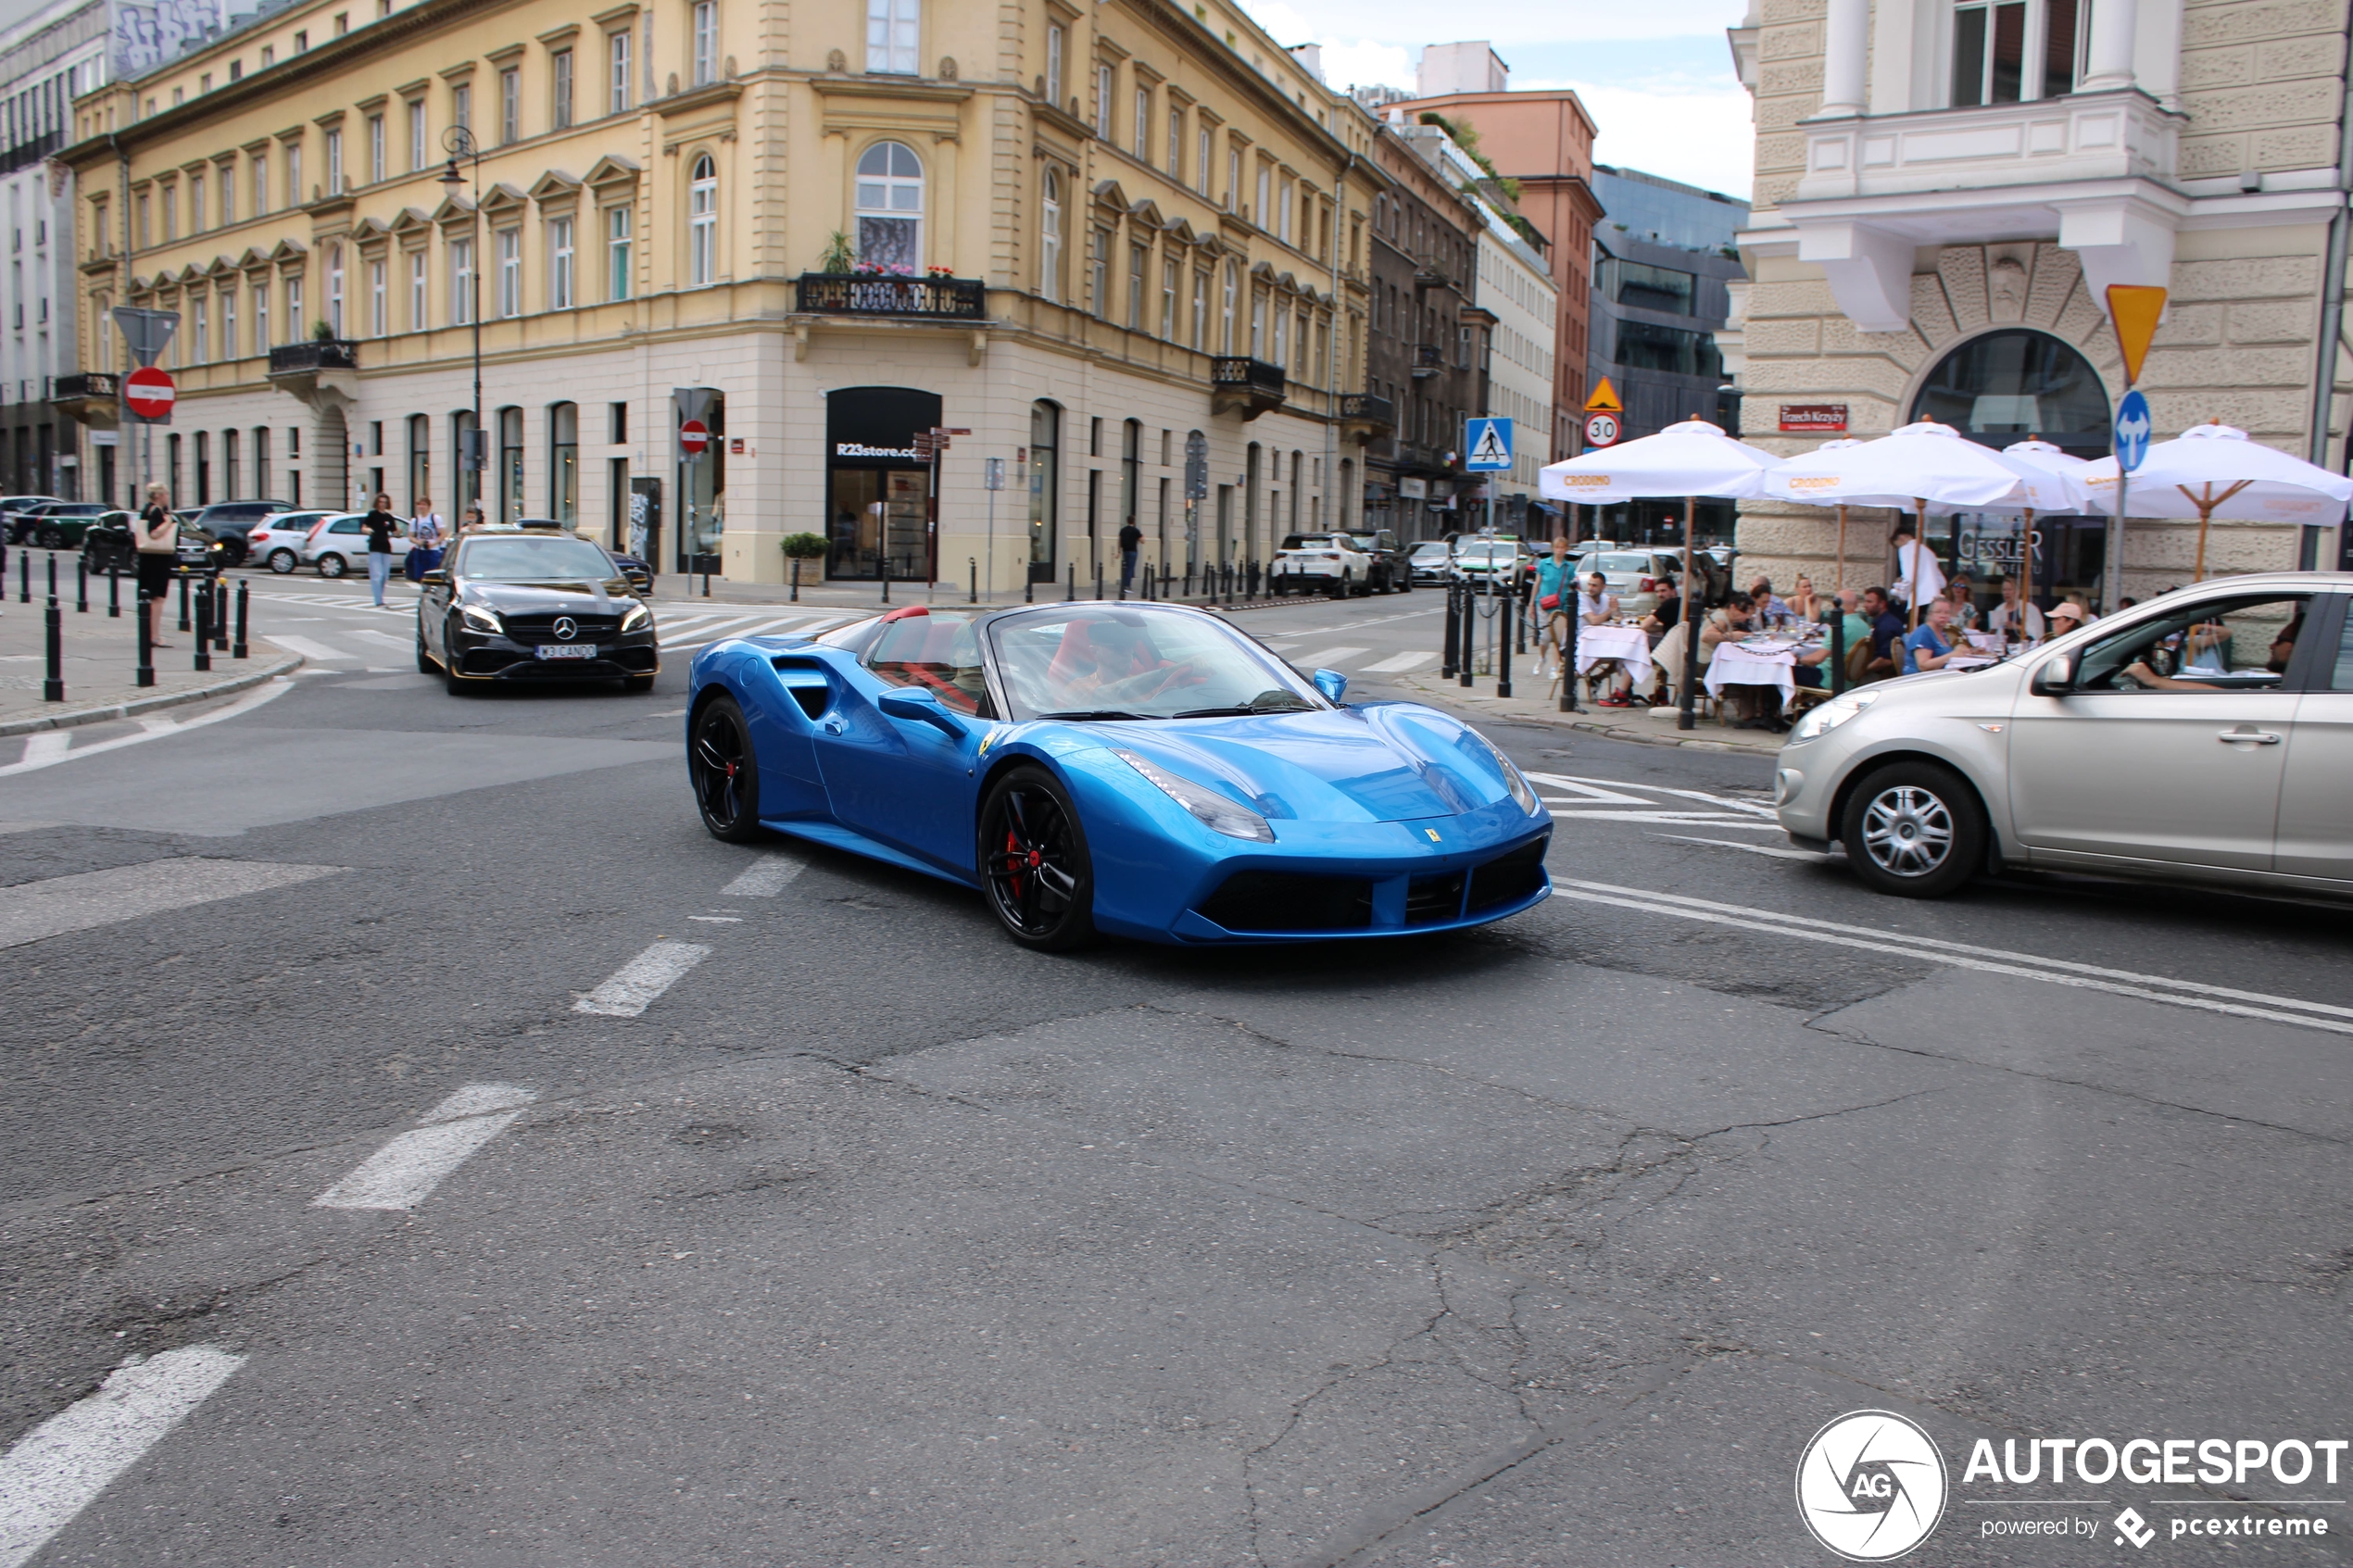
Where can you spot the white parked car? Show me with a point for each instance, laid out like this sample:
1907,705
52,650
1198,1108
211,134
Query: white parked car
1634,576
339,545
1321,564
277,540
2205,735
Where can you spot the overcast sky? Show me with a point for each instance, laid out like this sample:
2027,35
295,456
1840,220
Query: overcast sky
1656,76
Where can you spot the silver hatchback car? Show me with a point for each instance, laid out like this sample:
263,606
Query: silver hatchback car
2204,736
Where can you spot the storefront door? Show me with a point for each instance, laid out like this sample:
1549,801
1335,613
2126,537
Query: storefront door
878,493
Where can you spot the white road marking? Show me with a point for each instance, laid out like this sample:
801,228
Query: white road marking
1582,784
58,1468
1329,658
310,649
765,877
46,745
1962,955
635,984
1585,789
34,911
718,920
375,636
1782,852
157,729
1670,814
1397,664
404,1173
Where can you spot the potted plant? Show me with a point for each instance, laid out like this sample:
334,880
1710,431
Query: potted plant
841,257
800,547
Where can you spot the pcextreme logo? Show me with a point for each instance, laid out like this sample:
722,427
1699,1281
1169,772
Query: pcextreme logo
1871,1486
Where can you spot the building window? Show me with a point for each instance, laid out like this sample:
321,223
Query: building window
706,54
890,207
294,197
231,464
617,252
335,162
1176,143
1045,488
228,320
377,165
1168,268
1099,273
509,106
261,185
1258,213
510,504
509,243
418,320
1049,230
702,223
378,305
1233,177
563,462
1225,333
461,283
199,347
195,206
1258,323
1200,309
1201,159
893,39
1282,214
294,305
617,73
1144,126
559,69
560,264
419,460
1995,61
1054,64
334,288
418,153
228,199
461,106
1282,337
1103,84
262,342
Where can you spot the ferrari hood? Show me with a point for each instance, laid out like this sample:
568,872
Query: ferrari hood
1395,762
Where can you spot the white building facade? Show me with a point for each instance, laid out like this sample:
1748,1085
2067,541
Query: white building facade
1943,192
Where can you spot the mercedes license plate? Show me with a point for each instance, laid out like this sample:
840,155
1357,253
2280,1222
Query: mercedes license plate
567,650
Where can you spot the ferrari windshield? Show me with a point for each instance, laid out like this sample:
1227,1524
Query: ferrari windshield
1107,662
517,559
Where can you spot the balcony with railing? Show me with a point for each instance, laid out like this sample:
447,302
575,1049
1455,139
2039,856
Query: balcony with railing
935,299
1367,417
89,397
1429,360
318,354
1249,386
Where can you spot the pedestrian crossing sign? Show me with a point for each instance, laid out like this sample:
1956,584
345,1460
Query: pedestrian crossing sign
1489,442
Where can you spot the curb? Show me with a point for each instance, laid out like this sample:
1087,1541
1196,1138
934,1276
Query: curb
150,704
1595,726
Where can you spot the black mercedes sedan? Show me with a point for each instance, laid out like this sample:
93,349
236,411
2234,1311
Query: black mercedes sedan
511,607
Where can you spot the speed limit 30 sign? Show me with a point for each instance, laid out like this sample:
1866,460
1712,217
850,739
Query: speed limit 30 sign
1602,429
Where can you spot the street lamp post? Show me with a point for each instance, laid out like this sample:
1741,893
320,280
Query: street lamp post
459,142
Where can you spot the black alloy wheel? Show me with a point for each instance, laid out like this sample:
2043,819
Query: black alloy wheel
1034,863
1915,830
724,773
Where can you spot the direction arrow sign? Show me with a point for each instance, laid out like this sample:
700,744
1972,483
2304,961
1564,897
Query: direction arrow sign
148,395
694,437
1605,399
2134,427
1489,442
1601,429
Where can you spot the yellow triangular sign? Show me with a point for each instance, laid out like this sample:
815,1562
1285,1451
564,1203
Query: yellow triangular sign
2135,308
1605,400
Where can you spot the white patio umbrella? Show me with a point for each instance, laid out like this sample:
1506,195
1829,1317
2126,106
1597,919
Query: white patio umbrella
1690,459
2041,454
1924,467
2219,472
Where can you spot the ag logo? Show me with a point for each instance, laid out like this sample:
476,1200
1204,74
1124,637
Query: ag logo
1871,1486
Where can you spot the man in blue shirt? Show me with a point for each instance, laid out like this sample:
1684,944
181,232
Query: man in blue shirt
1887,627
1928,645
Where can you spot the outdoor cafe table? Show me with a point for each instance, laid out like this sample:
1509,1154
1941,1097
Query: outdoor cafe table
1735,665
1627,645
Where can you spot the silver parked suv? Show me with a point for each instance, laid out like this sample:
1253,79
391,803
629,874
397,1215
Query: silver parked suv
2205,735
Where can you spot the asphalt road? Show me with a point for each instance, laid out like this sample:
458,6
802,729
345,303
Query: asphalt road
768,1207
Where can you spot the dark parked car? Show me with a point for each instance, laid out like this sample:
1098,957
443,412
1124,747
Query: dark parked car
106,542
509,605
12,508
639,572
58,525
230,522
1392,564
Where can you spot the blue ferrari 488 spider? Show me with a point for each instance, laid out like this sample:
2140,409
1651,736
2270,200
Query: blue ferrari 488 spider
1137,768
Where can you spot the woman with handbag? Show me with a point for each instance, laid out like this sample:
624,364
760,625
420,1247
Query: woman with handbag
424,536
1555,581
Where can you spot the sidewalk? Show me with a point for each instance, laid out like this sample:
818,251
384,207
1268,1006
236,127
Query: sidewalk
675,589
102,656
1531,705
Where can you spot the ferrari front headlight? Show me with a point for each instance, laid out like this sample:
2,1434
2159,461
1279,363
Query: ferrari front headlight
1522,791
479,618
1212,810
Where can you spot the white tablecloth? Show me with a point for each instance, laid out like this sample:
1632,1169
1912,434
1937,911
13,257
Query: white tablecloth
1736,666
1631,645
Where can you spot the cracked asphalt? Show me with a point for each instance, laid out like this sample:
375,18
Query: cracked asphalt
876,1240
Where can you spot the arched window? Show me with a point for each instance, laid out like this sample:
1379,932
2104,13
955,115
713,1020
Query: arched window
1049,229
2009,385
702,223
890,208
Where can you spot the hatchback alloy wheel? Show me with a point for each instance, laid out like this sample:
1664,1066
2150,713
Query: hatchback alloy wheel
1906,831
1914,829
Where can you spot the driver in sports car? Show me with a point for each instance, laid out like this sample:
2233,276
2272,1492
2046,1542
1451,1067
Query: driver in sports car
1111,661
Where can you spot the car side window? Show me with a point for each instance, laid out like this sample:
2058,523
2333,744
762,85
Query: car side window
2341,674
2221,645
940,653
345,525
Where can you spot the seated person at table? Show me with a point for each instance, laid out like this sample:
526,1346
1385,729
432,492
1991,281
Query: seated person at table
1771,610
1803,603
1596,606
2010,612
1887,632
1930,643
1661,625
1850,614
1964,598
1754,708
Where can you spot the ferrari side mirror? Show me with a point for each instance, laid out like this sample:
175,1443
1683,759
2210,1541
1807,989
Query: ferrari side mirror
1331,683
917,706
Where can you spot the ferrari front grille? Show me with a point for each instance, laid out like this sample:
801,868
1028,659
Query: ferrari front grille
1508,877
1288,902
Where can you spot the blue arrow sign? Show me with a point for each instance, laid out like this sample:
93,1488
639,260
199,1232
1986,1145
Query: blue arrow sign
2134,427
1489,442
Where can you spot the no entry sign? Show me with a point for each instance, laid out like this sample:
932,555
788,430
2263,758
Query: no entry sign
694,438
148,394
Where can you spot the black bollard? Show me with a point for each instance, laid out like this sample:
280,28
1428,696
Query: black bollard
24,577
885,558
1503,635
53,574
220,615
53,689
1451,646
1469,658
239,650
1568,654
184,601
706,576
81,584
1838,649
146,642
113,590
1028,586
1099,582
796,580
973,564
203,627
1070,585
